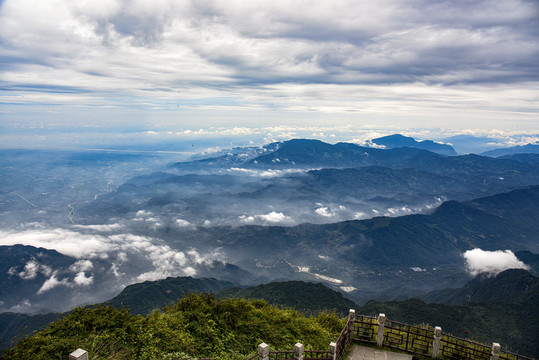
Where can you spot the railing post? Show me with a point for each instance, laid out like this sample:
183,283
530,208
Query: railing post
79,354
298,350
352,317
263,351
333,350
495,354
381,323
436,342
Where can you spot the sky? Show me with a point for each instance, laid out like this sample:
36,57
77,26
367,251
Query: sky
101,72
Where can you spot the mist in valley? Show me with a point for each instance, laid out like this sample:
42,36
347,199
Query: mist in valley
116,218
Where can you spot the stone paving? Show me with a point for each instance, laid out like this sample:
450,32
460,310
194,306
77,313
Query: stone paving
358,352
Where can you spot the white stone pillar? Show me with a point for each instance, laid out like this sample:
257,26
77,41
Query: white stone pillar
352,317
298,351
263,351
333,350
79,354
436,342
495,354
381,323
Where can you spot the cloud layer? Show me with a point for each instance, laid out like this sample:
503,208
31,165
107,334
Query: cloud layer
200,60
156,259
491,262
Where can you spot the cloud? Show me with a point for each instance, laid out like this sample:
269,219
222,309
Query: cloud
173,263
149,218
31,269
24,306
324,211
81,279
263,173
100,227
117,248
52,282
270,218
491,262
366,60
182,223
81,265
359,215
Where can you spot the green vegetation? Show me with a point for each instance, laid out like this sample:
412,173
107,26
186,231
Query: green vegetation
143,298
197,326
309,298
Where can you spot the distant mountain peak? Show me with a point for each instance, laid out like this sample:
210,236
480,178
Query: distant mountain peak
520,149
398,140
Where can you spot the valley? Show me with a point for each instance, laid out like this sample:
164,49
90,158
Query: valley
371,223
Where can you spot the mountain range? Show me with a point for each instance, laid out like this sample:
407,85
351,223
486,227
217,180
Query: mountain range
487,309
520,149
308,181
394,220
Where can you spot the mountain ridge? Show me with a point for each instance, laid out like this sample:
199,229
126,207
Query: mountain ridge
479,319
398,140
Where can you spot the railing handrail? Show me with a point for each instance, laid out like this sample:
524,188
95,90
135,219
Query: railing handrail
421,335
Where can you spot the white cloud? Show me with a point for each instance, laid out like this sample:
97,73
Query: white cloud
404,210
81,279
143,213
263,173
270,218
119,248
360,215
67,242
81,265
247,219
52,282
100,228
149,218
325,211
182,223
31,269
491,262
275,217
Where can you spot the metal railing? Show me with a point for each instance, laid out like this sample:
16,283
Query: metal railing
344,338
364,329
425,341
290,355
394,335
456,348
408,338
297,353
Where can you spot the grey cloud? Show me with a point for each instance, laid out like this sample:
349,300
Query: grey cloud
416,40
267,56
